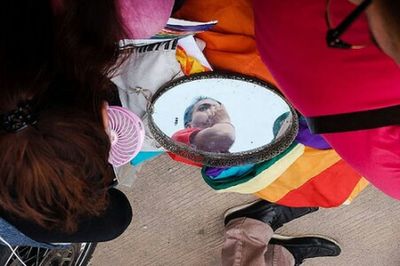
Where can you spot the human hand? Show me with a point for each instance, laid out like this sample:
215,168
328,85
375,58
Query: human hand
220,115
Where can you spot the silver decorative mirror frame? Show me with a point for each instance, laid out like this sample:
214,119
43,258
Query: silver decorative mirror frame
256,155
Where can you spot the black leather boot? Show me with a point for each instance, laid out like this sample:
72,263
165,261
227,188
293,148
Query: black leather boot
307,247
270,213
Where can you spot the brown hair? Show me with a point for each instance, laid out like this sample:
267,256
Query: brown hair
87,40
390,10
56,171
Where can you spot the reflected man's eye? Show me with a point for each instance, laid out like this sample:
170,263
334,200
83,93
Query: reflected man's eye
204,107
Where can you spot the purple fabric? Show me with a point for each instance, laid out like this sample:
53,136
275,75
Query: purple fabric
213,171
308,139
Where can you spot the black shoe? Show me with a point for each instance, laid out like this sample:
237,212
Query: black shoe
273,214
307,247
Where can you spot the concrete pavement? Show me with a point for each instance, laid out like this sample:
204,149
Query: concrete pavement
178,221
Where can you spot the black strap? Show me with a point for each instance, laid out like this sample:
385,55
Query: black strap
355,121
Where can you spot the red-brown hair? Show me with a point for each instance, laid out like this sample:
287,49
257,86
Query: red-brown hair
56,171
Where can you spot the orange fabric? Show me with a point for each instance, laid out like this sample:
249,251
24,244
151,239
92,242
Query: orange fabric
312,163
230,44
320,187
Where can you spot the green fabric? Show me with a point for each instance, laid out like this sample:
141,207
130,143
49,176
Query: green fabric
278,123
255,171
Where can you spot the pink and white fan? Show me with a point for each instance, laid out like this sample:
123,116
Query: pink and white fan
126,133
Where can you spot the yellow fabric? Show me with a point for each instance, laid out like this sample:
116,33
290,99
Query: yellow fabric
189,64
361,185
310,164
269,175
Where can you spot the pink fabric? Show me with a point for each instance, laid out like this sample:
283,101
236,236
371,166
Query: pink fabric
374,153
144,18
319,80
141,18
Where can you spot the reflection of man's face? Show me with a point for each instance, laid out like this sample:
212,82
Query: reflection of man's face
207,112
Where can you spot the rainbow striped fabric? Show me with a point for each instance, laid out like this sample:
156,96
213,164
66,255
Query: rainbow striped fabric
301,176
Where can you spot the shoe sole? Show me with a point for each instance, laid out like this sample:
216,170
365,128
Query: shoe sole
239,207
283,237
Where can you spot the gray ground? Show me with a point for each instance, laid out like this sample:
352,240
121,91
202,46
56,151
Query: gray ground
178,221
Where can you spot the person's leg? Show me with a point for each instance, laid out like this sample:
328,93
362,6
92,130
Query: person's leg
250,227
246,244
278,255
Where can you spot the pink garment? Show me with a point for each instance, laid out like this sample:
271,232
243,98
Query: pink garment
319,80
374,153
144,18
141,18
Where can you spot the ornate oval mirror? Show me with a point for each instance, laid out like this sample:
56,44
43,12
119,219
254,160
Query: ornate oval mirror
222,119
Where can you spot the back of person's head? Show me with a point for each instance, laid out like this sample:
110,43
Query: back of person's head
57,59
54,170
